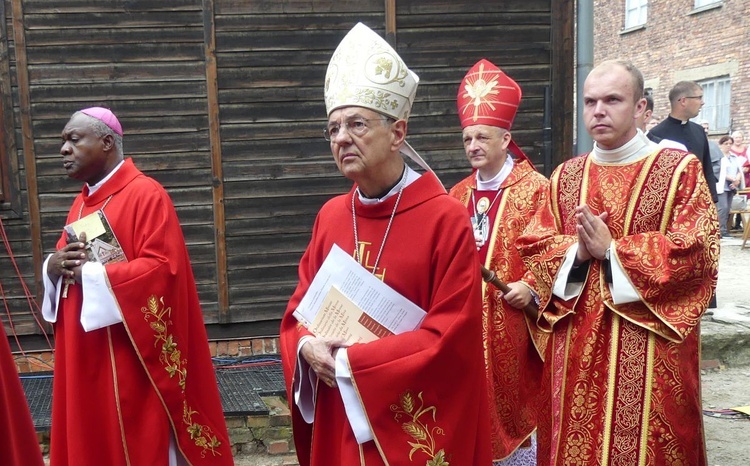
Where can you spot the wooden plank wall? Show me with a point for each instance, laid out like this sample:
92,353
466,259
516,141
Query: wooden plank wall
272,58
147,61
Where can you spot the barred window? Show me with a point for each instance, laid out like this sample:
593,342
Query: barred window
716,100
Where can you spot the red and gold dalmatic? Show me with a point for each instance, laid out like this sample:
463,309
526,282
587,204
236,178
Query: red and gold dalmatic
622,382
514,367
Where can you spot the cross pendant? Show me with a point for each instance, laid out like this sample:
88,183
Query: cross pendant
67,282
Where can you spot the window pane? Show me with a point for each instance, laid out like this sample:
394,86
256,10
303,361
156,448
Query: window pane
635,12
716,98
700,3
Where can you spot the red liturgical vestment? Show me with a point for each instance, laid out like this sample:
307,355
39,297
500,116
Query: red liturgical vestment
121,391
20,446
514,366
622,381
424,391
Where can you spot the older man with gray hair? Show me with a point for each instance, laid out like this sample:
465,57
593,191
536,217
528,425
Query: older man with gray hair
416,396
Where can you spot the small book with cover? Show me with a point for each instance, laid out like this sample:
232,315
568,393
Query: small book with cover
101,243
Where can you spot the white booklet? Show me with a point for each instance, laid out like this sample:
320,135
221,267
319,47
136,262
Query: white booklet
345,300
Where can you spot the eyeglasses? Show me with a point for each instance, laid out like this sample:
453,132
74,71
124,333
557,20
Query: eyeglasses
356,127
694,97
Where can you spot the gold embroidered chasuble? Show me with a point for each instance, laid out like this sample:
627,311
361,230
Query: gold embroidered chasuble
622,382
510,339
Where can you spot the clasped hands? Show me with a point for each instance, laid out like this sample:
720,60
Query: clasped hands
320,353
67,261
594,237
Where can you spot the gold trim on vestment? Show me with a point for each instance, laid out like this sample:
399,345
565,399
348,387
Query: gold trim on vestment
369,424
650,357
418,430
561,407
117,396
157,313
614,349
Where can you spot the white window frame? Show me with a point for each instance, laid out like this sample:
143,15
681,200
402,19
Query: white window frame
636,13
717,98
702,3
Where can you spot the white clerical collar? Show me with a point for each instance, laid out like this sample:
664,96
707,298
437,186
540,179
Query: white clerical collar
494,183
637,148
93,189
411,177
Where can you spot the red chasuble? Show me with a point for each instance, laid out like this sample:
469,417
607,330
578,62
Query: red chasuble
622,381
121,391
423,392
19,446
514,367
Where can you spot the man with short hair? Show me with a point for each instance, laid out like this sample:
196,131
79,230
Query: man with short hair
686,100
418,396
626,260
502,194
134,383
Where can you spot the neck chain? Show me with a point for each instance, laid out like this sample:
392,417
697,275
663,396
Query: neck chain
387,229
80,211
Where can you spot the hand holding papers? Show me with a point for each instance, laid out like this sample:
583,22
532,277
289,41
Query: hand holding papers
345,300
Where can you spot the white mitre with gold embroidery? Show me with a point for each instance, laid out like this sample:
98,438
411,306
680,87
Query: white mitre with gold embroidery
366,72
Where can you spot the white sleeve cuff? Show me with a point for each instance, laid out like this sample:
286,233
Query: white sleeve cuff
99,307
305,390
51,294
355,413
561,288
621,288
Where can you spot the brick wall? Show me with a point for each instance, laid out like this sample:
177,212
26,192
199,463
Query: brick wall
45,361
676,45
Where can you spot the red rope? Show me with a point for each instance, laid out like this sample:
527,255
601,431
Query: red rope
33,307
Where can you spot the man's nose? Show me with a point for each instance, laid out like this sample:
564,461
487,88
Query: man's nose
342,135
65,148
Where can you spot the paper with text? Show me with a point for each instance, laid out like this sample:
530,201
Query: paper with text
344,289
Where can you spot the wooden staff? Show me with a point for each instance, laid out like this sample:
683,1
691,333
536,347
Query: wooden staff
490,277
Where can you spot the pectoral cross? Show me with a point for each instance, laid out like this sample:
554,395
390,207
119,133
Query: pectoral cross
67,282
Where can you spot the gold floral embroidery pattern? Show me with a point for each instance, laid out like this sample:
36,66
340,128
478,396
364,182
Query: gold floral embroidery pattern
418,429
158,315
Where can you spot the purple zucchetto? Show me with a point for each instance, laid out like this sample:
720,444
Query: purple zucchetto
105,115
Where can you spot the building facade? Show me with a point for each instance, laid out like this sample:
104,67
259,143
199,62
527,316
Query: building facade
706,41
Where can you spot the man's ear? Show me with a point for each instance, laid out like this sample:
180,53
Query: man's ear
108,142
398,129
640,107
506,139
